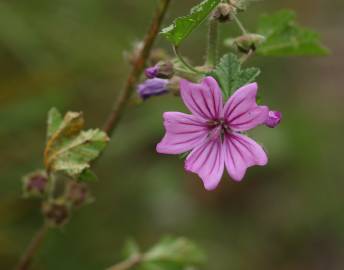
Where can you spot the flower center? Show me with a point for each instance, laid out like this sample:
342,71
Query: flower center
217,128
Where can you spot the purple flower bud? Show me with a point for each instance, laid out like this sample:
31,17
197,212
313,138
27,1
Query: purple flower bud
56,213
35,184
274,119
152,72
162,70
152,87
78,194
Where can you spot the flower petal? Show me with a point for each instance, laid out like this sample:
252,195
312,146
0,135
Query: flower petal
183,133
241,110
207,160
203,100
241,152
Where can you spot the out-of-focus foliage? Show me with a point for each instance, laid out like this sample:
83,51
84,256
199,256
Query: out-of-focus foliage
69,54
168,254
283,37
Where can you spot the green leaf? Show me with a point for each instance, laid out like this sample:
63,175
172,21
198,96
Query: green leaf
179,251
183,26
231,76
284,37
54,121
131,248
69,149
87,176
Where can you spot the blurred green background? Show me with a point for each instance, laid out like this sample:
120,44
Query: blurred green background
69,54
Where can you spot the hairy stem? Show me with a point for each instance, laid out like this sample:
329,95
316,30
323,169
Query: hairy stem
184,62
240,25
30,252
128,264
137,69
246,56
212,43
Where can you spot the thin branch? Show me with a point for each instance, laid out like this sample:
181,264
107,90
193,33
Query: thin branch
184,62
246,56
137,69
30,252
240,25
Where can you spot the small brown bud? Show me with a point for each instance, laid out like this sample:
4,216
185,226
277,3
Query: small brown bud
223,12
246,43
56,213
35,184
78,194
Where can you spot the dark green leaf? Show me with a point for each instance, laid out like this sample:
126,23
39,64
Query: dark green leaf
183,26
284,37
88,176
231,76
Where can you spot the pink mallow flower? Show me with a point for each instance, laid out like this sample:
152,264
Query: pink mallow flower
213,132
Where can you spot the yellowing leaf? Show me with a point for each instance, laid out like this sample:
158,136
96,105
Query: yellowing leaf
69,149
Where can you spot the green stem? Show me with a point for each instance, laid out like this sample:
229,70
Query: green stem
184,62
212,43
246,56
240,25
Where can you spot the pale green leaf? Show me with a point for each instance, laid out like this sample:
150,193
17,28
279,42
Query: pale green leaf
54,121
284,37
183,26
131,248
179,251
231,76
69,149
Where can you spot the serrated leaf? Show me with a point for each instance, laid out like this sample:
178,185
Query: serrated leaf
54,121
179,251
69,149
284,37
183,26
231,76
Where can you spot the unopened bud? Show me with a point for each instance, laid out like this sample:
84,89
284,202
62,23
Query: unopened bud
78,194
246,43
273,120
56,213
163,70
35,184
223,12
152,87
